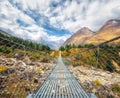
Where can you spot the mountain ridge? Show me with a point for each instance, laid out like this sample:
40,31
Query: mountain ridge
109,30
85,33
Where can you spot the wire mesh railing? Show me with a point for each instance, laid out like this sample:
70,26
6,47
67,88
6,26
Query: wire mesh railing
16,79
102,55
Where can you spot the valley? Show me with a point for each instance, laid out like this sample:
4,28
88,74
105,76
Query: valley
24,65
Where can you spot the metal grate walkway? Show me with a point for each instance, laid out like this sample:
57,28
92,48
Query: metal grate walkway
60,84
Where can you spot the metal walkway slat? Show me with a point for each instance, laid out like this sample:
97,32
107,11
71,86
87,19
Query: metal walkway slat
60,84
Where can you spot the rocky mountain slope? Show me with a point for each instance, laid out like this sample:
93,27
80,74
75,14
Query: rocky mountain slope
79,37
109,30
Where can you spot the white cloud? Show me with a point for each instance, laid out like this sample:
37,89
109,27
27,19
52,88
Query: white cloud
68,15
10,22
58,41
87,12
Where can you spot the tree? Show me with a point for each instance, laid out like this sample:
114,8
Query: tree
80,46
73,46
68,47
88,45
62,48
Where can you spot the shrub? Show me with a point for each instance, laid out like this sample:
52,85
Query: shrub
3,68
44,59
38,69
116,88
97,82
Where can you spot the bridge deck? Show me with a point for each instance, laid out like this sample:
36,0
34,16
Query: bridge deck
60,84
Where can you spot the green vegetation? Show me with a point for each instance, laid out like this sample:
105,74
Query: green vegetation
26,43
97,82
105,57
12,46
68,47
16,80
116,87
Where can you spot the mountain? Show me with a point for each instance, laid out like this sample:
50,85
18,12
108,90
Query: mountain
109,30
79,37
111,23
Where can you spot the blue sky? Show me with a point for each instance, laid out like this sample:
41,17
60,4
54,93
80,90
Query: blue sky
53,21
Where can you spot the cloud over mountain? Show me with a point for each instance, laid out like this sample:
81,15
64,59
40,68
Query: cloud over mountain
53,21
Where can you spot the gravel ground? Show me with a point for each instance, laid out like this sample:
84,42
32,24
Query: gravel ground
87,77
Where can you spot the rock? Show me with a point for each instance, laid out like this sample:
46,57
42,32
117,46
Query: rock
27,60
35,80
86,77
105,92
21,75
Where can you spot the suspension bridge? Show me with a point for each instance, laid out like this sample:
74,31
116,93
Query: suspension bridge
60,83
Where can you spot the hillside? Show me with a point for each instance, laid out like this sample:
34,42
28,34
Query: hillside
109,30
10,46
27,43
22,68
97,69
79,37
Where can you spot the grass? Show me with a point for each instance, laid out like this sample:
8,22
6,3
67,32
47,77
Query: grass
116,89
102,59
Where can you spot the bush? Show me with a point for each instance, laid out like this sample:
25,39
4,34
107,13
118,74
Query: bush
62,48
38,69
97,82
116,88
44,59
3,68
